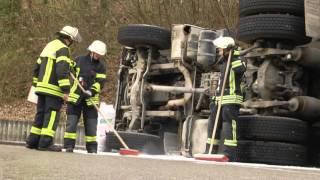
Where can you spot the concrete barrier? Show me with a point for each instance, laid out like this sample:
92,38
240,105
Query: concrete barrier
16,132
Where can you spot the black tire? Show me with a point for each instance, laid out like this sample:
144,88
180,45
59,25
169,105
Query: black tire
273,27
139,34
272,128
314,145
271,153
315,159
253,7
146,143
315,131
314,139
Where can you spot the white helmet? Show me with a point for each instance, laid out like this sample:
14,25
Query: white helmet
223,42
72,32
98,47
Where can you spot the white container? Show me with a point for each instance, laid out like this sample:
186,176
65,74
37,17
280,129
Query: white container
312,18
105,124
32,97
185,35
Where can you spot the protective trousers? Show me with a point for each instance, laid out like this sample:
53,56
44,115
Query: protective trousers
90,116
45,123
225,141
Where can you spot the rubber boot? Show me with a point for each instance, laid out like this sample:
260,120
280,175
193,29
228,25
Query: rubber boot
91,147
91,130
228,150
32,141
72,122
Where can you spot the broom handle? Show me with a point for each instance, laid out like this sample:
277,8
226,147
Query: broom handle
219,102
96,107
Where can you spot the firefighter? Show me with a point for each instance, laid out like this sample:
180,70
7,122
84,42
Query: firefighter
226,135
91,74
52,85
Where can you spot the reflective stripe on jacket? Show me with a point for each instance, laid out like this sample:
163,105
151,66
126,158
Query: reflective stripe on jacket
92,75
51,72
232,92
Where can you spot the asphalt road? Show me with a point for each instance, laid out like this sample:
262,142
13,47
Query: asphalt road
17,162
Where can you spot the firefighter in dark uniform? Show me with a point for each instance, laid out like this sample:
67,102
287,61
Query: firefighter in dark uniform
91,73
225,141
52,85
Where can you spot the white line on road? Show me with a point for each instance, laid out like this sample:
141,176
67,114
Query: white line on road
294,169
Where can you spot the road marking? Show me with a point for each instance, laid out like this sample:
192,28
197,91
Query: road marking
294,169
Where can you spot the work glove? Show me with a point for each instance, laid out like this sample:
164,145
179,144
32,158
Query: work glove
87,94
65,97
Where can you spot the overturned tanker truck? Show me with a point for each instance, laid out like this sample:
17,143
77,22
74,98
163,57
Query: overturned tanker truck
166,81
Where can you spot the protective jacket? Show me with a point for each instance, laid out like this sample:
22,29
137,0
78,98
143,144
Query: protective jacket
51,73
232,92
91,74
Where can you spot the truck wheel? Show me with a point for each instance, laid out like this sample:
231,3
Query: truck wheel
272,128
315,131
314,144
136,35
273,27
315,159
271,153
146,143
252,7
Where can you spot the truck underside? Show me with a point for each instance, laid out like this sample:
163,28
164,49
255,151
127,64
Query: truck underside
166,81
